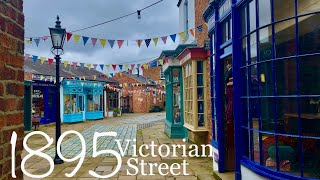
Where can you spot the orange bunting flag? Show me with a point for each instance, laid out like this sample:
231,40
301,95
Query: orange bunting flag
192,32
139,43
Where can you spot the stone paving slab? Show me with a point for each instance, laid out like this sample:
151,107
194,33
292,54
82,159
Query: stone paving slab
72,146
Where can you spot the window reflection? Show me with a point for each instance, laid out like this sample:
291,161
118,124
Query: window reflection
283,9
264,12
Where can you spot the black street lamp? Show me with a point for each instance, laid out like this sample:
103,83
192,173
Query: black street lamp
58,35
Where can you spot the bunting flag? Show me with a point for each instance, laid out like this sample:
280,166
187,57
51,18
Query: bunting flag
29,41
69,35
89,66
74,64
42,59
148,42
35,58
111,42
166,59
173,37
120,66
139,43
192,32
94,41
101,66
76,38
95,66
160,61
132,66
120,42
183,36
108,67
114,66
85,40
155,40
27,56
94,77
111,74
126,66
65,63
50,61
82,65
120,74
200,28
102,42
37,41
44,38
164,39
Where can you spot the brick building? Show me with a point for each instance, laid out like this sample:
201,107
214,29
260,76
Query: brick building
154,72
11,84
142,92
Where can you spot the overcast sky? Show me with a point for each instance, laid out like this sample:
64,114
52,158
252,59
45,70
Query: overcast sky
159,20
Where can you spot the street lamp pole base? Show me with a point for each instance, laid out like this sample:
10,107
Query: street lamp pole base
57,160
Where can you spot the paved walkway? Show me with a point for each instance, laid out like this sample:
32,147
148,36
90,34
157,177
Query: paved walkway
145,128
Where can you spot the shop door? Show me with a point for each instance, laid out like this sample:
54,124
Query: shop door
52,106
27,107
81,106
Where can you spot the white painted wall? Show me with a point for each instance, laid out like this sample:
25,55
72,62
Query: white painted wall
182,18
247,174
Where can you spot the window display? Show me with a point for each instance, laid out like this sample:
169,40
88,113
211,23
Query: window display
93,103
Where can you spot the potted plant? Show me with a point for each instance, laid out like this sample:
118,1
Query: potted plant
116,112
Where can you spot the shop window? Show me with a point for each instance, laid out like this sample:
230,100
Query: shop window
309,34
264,12
252,15
265,43
70,104
309,75
308,6
226,30
93,103
113,100
285,40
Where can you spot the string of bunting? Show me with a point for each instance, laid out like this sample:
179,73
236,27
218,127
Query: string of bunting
103,42
110,86
107,67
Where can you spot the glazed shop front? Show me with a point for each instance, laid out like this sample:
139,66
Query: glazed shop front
265,73
82,100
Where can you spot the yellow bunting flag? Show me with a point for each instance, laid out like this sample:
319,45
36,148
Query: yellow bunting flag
65,64
89,66
126,66
107,75
42,59
108,67
94,77
183,36
160,61
103,42
155,40
76,38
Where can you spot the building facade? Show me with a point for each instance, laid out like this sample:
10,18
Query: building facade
265,74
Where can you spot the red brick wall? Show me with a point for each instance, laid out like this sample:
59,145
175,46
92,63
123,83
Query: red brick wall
200,6
11,83
153,73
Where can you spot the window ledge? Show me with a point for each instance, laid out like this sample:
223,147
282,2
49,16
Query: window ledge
191,128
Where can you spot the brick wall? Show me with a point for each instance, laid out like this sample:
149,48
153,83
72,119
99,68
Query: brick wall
200,6
11,83
153,73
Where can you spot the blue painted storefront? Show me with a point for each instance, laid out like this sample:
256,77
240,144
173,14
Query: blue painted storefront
82,100
274,48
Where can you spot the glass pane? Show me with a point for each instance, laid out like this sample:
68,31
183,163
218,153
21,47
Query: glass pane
307,6
309,75
90,104
244,52
266,82
285,38
264,12
199,67
200,107
286,76
269,160
175,73
80,106
288,153
200,80
283,9
309,34
310,116
201,120
265,43
287,115
267,114
244,21
177,104
200,94
311,159
253,48
252,15
256,148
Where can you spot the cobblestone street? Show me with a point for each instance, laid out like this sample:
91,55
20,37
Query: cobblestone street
145,128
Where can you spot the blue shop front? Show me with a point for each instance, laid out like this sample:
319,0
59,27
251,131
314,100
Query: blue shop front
266,96
81,100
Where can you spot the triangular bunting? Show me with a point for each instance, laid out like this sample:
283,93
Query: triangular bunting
102,42
132,66
120,42
89,66
173,37
50,61
69,35
164,39
148,42
126,66
94,41
74,64
120,66
192,32
166,59
160,61
95,66
155,40
139,43
114,66
183,36
85,40
101,66
65,63
111,42
108,67
82,65
35,58
76,38
37,41
42,59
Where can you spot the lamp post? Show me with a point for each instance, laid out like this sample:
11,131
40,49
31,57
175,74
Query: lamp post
58,35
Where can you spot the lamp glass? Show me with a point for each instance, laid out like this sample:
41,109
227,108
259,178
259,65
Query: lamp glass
57,36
